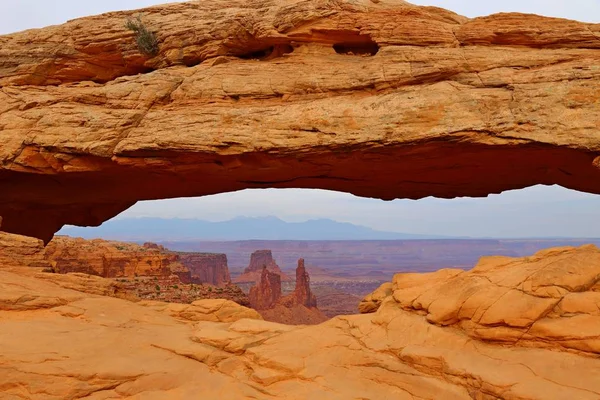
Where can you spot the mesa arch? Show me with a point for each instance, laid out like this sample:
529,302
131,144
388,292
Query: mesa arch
377,98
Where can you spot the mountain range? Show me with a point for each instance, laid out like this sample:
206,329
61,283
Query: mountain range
240,228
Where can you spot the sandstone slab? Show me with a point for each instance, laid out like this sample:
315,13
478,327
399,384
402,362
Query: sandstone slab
375,98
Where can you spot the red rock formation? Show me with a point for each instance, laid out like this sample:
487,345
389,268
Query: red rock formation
109,259
302,293
153,246
518,329
387,100
258,260
207,268
267,293
299,307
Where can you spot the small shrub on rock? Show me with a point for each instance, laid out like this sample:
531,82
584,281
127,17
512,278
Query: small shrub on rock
146,40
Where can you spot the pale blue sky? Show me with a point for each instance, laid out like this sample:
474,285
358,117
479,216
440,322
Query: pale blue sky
537,211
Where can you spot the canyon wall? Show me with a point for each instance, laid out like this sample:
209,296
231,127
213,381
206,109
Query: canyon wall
112,259
108,259
207,268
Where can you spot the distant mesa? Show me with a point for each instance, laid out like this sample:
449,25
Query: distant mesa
259,260
207,267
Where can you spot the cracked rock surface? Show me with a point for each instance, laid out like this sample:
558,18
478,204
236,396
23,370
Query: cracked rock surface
377,98
508,329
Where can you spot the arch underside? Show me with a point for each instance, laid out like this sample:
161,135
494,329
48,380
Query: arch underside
463,108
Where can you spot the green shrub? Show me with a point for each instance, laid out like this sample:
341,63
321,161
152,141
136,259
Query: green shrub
146,40
157,288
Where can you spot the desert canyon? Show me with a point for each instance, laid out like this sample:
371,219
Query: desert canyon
378,98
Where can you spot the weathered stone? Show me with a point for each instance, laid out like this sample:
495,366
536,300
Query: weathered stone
302,293
297,308
110,259
20,250
268,292
62,343
259,260
375,98
372,301
207,268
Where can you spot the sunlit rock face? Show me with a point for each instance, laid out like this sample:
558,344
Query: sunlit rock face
377,98
520,329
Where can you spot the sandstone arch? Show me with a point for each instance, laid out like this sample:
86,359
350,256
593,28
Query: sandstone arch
446,106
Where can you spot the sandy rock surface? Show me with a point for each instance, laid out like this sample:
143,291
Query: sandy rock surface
426,340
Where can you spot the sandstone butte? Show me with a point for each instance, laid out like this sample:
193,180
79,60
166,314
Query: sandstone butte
297,308
259,261
207,267
508,329
378,98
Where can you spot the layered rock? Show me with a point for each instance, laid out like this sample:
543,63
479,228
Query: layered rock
259,260
375,98
373,300
424,342
22,250
207,268
110,259
550,300
302,293
267,293
299,307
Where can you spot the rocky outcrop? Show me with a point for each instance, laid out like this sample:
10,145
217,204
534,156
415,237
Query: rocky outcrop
214,310
299,307
372,301
21,250
148,272
259,260
110,259
450,335
375,98
207,268
267,293
302,293
550,300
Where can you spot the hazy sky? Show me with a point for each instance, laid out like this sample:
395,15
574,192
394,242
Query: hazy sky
537,211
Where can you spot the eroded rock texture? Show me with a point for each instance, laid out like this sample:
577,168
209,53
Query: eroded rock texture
267,292
297,308
516,329
377,98
111,259
259,260
302,293
207,268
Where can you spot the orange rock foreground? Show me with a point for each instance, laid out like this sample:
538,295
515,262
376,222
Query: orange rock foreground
508,329
379,98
